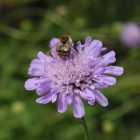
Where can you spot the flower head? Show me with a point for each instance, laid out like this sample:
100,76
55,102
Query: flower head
131,35
78,77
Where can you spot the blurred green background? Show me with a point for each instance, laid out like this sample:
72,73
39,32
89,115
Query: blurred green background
26,26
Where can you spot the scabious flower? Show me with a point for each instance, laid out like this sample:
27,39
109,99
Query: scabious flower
131,35
79,77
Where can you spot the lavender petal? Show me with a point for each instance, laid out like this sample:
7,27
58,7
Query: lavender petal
108,80
53,42
36,68
69,99
100,85
62,102
33,83
43,57
88,41
108,58
94,48
78,108
114,70
100,98
45,99
87,94
43,88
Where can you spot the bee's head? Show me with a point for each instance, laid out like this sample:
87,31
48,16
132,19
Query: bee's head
66,39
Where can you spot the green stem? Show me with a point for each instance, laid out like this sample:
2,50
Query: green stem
84,124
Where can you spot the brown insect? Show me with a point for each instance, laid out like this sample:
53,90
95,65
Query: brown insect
64,46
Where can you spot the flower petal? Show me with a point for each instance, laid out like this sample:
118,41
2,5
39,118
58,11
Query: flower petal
106,80
53,42
69,99
54,98
43,88
78,108
114,70
42,56
100,85
87,41
32,84
100,98
62,102
36,68
73,53
87,94
46,99
108,58
95,48
91,102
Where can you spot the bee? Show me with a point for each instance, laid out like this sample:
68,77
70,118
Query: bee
64,46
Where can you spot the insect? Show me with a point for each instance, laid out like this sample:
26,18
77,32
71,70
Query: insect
64,46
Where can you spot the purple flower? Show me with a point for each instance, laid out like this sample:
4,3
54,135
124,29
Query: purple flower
79,77
131,35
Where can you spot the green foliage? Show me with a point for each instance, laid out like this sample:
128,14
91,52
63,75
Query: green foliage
26,27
